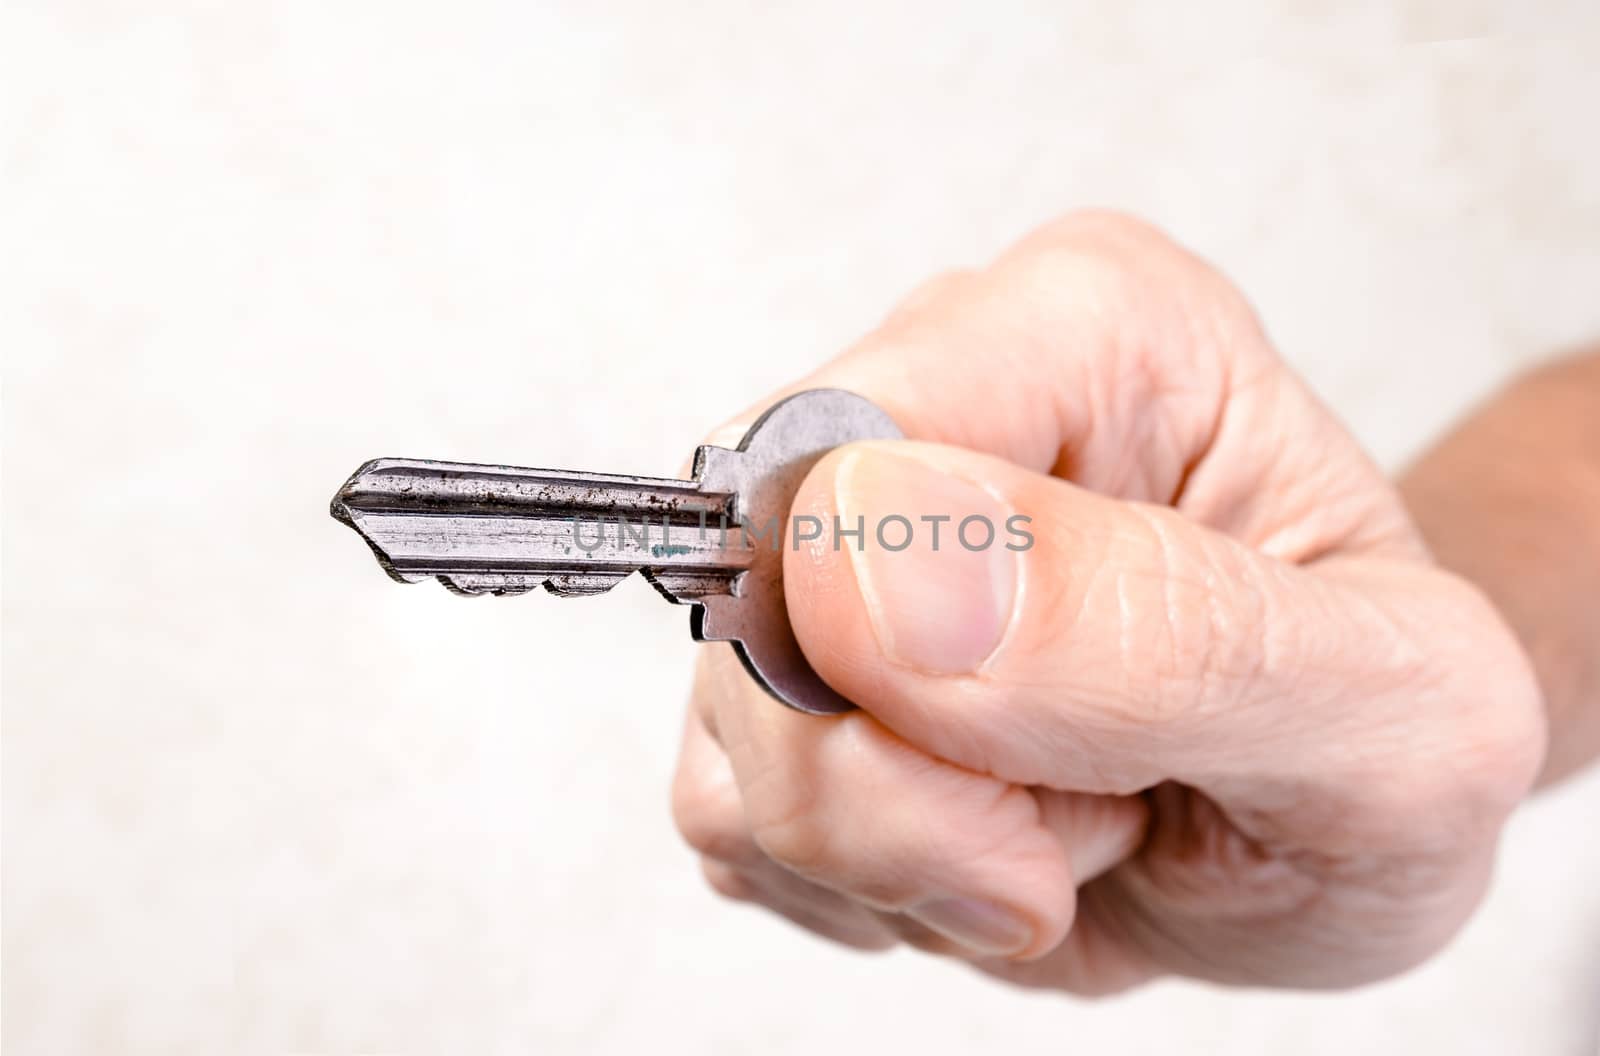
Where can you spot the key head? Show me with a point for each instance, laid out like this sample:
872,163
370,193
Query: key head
763,474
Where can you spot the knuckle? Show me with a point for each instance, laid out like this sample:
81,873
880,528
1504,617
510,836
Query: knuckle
1105,227
1113,255
1512,754
796,836
1056,277
692,824
728,882
930,292
826,820
1473,742
1120,263
796,807
815,816
706,823
858,822
704,834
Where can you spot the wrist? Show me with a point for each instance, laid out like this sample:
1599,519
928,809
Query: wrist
1510,500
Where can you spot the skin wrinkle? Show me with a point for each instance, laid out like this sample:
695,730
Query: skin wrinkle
1045,688
1304,659
1193,655
1410,677
1146,387
1130,911
1188,655
1167,459
1191,497
1231,392
1093,818
1191,462
1332,507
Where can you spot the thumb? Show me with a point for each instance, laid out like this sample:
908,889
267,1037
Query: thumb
1023,627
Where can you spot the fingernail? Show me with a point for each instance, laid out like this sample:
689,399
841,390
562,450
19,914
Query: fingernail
931,563
982,927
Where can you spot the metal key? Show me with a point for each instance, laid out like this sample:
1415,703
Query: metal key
713,542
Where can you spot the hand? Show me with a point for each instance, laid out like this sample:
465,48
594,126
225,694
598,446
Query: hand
1223,718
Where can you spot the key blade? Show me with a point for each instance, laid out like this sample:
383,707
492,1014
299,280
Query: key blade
482,529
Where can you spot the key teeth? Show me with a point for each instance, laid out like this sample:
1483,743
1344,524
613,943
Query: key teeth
562,585
677,587
583,584
498,585
691,588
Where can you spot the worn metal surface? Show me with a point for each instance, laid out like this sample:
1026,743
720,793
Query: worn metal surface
482,529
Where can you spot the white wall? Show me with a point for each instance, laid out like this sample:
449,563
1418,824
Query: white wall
257,798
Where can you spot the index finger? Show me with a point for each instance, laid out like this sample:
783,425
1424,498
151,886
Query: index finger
1061,356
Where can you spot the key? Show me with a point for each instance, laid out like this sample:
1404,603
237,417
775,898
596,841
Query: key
713,542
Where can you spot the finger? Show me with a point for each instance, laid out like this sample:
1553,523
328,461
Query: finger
1099,832
843,923
705,798
1019,359
1094,960
1101,351
846,804
921,937
710,817
1117,645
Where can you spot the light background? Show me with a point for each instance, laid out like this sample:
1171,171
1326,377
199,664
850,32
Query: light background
259,799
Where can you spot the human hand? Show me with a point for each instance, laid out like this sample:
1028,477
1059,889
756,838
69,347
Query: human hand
1224,717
